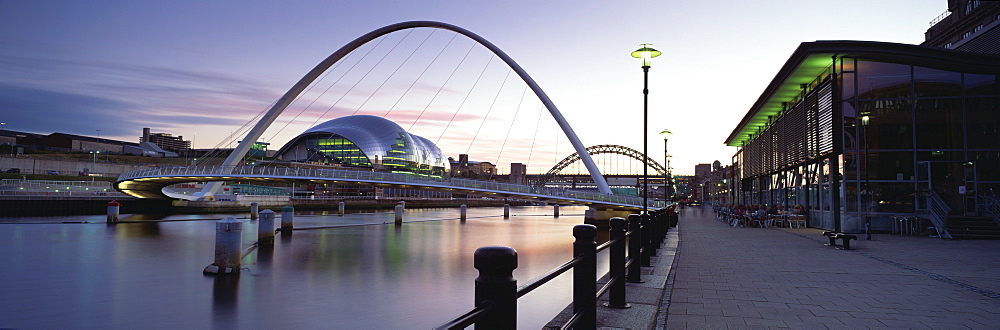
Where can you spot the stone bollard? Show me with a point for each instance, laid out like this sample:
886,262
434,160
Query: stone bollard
634,249
287,218
616,294
253,211
340,208
228,241
496,285
399,214
265,228
463,210
113,207
585,276
506,211
555,210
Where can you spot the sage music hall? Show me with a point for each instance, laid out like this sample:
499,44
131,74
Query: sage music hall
869,132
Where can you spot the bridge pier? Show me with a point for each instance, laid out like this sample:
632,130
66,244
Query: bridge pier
600,216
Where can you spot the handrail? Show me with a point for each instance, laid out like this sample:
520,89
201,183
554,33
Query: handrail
469,318
548,276
938,212
585,249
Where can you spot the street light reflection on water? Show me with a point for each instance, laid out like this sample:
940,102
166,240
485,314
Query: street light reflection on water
365,273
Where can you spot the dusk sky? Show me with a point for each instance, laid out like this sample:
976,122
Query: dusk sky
202,69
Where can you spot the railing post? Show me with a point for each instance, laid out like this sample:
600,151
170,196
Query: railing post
496,284
585,276
634,248
616,296
647,239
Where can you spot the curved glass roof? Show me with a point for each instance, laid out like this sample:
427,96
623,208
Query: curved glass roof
381,140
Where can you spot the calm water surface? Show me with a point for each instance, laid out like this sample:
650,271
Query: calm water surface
368,274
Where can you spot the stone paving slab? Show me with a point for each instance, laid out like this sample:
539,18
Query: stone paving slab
781,277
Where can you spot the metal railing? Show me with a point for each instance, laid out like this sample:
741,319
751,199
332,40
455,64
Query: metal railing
940,18
937,212
18,187
497,291
381,177
991,206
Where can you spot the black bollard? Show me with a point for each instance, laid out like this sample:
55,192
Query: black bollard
647,239
496,285
616,296
585,276
634,249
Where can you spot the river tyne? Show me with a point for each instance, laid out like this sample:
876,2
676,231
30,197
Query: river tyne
363,272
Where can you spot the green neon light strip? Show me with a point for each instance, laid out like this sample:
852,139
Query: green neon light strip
807,72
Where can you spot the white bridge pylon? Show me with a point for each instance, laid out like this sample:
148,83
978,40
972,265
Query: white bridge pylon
244,146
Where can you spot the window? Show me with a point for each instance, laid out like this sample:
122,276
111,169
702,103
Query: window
966,35
947,46
980,27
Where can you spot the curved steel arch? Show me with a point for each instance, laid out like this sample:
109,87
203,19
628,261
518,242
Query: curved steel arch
601,149
306,80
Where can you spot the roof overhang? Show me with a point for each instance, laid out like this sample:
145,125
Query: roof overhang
811,59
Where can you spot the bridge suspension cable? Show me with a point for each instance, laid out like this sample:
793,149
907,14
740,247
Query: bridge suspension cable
292,94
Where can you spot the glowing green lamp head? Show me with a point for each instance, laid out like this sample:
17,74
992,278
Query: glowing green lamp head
646,53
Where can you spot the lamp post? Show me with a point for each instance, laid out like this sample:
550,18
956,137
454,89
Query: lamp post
646,53
666,171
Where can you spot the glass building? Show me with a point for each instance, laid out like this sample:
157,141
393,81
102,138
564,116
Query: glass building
366,142
860,132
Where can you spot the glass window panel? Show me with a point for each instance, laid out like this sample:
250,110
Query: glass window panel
939,124
847,86
888,165
987,163
983,122
889,124
932,82
892,197
880,80
981,84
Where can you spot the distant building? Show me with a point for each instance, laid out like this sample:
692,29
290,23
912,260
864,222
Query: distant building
80,143
702,170
165,141
518,173
968,26
464,168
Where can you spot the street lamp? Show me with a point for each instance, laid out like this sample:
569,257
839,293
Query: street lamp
646,53
666,171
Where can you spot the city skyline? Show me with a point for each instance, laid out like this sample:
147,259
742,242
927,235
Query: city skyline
203,70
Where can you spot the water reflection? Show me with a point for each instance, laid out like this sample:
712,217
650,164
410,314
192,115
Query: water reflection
368,273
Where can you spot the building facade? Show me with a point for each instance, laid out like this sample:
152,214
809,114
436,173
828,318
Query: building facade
858,132
968,25
165,140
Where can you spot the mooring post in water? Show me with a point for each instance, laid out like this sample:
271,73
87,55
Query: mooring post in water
113,207
265,228
463,212
340,208
287,218
555,210
399,214
506,211
228,241
253,211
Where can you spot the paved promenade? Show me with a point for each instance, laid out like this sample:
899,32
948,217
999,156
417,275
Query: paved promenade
726,277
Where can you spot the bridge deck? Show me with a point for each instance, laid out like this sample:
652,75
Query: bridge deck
150,183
